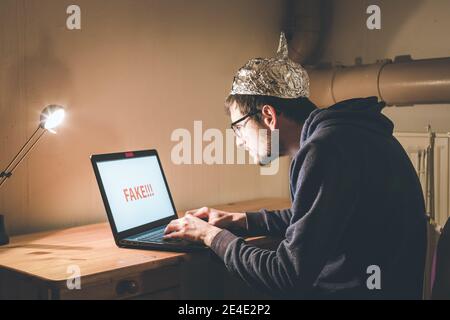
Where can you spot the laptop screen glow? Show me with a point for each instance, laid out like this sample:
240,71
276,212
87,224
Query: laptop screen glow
136,191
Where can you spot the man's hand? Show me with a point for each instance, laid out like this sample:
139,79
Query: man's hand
221,219
191,228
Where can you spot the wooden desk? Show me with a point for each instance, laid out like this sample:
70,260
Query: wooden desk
38,266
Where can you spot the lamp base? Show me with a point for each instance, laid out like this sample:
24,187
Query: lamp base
4,239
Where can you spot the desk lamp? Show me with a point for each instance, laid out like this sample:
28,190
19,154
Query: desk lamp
51,117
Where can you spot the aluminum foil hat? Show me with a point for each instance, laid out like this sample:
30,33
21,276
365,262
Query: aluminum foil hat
278,76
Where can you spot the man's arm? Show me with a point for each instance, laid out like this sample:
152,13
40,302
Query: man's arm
325,196
265,222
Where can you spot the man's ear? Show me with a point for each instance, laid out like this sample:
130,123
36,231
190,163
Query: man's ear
269,116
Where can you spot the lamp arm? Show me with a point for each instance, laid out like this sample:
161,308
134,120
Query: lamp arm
24,146
5,174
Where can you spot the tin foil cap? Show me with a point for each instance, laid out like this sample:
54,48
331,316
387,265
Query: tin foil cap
278,76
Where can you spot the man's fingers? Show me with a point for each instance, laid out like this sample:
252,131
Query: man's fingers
199,213
191,211
176,234
173,226
219,221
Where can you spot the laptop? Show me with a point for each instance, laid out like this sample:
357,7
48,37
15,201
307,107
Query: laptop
137,200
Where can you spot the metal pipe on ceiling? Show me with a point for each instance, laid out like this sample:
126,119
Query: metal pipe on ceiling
400,82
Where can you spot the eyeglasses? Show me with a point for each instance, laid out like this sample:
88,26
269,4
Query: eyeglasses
237,129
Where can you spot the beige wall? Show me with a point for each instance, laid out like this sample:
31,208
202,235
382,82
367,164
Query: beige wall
135,72
416,27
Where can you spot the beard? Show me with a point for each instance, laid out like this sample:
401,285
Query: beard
273,148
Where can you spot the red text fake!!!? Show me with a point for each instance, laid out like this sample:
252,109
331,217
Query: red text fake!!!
138,192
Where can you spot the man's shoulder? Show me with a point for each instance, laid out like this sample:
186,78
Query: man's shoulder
315,151
322,144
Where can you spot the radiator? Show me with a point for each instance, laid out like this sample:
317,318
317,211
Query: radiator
430,156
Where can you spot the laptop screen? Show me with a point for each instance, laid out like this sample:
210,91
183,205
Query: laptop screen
136,191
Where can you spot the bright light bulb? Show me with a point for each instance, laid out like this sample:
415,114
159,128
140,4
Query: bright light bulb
52,117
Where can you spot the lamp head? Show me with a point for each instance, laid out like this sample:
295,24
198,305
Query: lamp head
51,117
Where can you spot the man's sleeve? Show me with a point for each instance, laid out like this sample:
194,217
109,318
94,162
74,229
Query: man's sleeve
327,190
265,222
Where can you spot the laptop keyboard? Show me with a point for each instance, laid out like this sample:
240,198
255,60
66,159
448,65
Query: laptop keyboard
152,237
156,236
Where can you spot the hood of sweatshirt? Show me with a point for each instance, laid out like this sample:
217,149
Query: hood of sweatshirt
363,113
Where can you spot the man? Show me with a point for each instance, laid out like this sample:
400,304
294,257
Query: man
356,227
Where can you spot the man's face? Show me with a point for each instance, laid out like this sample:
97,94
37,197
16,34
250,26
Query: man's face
252,136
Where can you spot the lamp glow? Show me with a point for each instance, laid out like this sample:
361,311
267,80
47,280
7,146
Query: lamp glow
51,117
